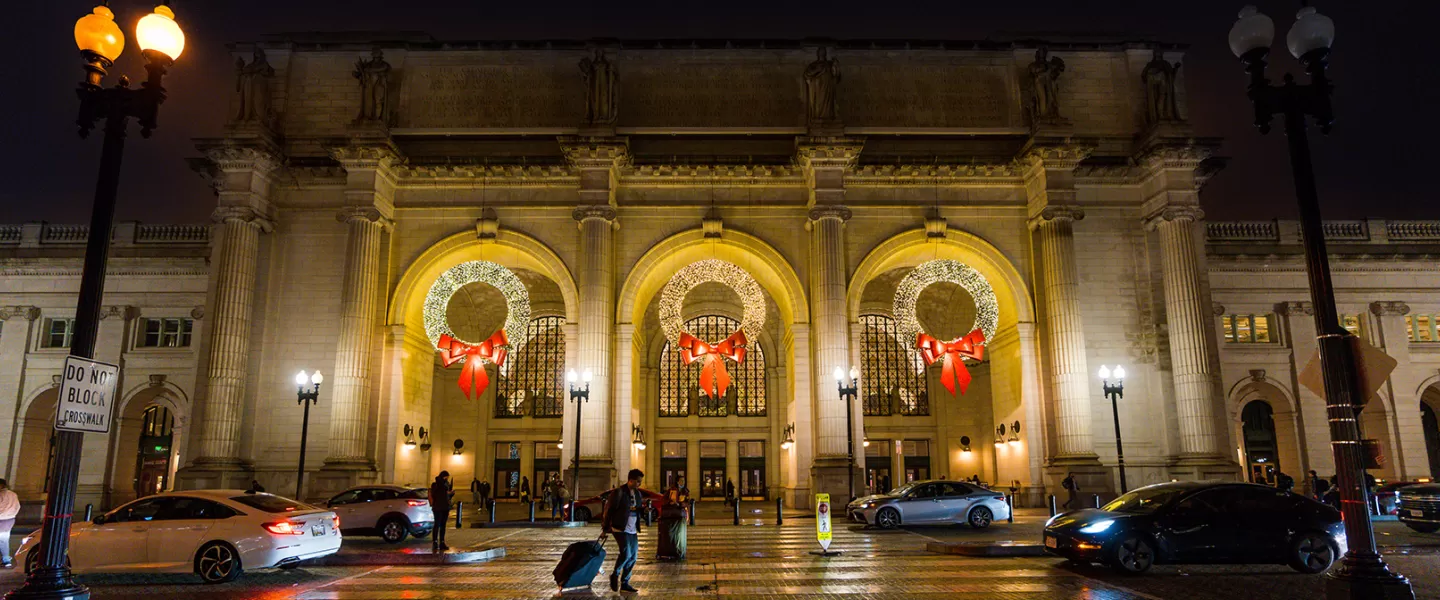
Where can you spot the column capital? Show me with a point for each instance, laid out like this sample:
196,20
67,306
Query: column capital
124,312
243,158
366,156
831,152
1396,309
372,214
1174,156
1062,156
1187,214
1057,213
591,152
30,313
228,215
598,211
1296,309
828,211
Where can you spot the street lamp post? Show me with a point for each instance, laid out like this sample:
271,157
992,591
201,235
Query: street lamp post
100,41
306,397
579,397
1115,390
848,394
1363,573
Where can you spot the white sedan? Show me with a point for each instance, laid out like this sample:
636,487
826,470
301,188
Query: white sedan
213,533
931,503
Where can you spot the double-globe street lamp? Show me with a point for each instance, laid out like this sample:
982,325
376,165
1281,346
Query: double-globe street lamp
579,397
1113,384
1363,573
306,396
100,41
847,395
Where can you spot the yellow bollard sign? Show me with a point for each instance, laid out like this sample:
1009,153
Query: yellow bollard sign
822,520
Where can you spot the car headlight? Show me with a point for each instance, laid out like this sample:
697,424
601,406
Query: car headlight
1098,526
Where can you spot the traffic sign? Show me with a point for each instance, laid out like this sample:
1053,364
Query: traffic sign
822,520
87,395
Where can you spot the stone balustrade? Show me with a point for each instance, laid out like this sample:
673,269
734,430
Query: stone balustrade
1368,231
30,235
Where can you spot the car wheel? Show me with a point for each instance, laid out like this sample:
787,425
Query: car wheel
583,514
1423,527
394,530
980,517
1132,555
217,562
1311,552
887,518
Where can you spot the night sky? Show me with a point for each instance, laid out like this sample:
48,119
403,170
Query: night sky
1376,163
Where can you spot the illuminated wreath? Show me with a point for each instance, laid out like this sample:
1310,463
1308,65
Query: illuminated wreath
475,354
714,379
971,345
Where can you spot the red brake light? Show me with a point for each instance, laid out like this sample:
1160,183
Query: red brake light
283,528
335,519
417,502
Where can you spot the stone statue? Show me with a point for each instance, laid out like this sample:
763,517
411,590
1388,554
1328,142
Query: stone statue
374,76
601,89
1044,72
1159,80
822,77
252,82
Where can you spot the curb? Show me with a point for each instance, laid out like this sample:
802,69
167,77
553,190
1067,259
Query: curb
526,525
451,557
992,549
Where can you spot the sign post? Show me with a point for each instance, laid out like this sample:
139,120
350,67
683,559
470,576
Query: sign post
87,395
822,525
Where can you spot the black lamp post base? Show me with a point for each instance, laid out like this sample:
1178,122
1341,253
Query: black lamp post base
1347,585
57,589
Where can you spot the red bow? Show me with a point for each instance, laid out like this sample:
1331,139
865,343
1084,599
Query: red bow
453,350
965,347
714,380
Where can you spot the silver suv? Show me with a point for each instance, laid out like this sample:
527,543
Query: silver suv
389,511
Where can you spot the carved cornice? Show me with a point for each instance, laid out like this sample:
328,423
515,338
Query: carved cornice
110,271
599,211
823,211
1296,309
241,158
122,311
11,312
1395,309
1057,213
368,156
1112,174
730,175
228,215
1055,156
1174,156
1187,214
584,152
828,152
364,213
482,174
931,174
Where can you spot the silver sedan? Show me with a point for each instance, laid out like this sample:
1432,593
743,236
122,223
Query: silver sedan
931,503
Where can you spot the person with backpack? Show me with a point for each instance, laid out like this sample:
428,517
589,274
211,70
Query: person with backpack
1072,490
622,520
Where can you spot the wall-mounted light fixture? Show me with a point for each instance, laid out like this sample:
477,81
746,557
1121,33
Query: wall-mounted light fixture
965,443
409,435
424,440
637,435
864,439
787,438
459,446
1014,433
1000,435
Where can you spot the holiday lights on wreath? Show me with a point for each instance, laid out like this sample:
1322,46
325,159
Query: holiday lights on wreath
951,352
452,347
714,378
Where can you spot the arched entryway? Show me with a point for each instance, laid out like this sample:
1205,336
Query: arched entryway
1262,453
36,432
147,442
1265,429
1429,402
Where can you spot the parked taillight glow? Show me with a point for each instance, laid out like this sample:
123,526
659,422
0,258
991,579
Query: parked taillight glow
336,520
284,528
417,502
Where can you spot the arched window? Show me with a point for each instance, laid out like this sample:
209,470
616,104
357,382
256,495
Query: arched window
679,382
156,421
1261,452
892,376
532,381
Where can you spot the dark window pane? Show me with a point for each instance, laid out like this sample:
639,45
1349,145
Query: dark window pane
679,382
532,381
892,375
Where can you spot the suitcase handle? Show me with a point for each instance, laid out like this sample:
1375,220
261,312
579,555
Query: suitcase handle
601,539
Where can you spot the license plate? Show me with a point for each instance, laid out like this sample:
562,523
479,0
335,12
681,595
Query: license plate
317,529
1051,542
1417,513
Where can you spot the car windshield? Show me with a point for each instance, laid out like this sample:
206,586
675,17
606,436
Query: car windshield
421,493
904,489
1144,500
270,503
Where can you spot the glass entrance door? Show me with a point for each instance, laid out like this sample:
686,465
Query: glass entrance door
507,470
752,470
712,469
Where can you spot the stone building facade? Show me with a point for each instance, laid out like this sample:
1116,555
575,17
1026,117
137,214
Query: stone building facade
356,179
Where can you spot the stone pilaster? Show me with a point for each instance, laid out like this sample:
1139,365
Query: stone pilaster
1404,386
368,210
1299,331
596,160
1066,337
16,331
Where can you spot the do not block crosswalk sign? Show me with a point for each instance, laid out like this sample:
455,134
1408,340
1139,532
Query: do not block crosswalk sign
87,395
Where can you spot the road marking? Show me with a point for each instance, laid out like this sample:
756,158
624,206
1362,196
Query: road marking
355,576
1096,582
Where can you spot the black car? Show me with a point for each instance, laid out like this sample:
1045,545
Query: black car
1201,522
1418,507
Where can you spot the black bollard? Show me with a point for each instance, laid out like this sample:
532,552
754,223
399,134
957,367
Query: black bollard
492,511
89,512
1053,511
779,511
692,512
1097,500
532,511
459,508
737,510
1010,502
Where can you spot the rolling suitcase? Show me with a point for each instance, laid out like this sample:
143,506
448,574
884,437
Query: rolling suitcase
580,563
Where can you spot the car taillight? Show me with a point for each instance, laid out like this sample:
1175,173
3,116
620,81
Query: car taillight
336,520
283,528
417,502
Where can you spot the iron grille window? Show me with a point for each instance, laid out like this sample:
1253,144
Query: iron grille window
533,378
892,376
679,382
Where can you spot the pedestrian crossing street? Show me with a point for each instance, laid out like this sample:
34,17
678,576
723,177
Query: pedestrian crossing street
728,561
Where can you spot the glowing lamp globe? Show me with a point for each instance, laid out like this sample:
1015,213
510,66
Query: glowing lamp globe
1252,31
301,378
1119,372
1104,372
839,374
158,31
588,375
571,376
98,33
1312,31
317,378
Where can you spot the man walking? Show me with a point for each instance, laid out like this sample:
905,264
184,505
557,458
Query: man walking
1072,490
9,508
485,494
440,507
475,492
622,520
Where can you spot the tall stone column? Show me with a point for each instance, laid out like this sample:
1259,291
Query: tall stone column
1192,366
368,211
596,160
825,161
1066,336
